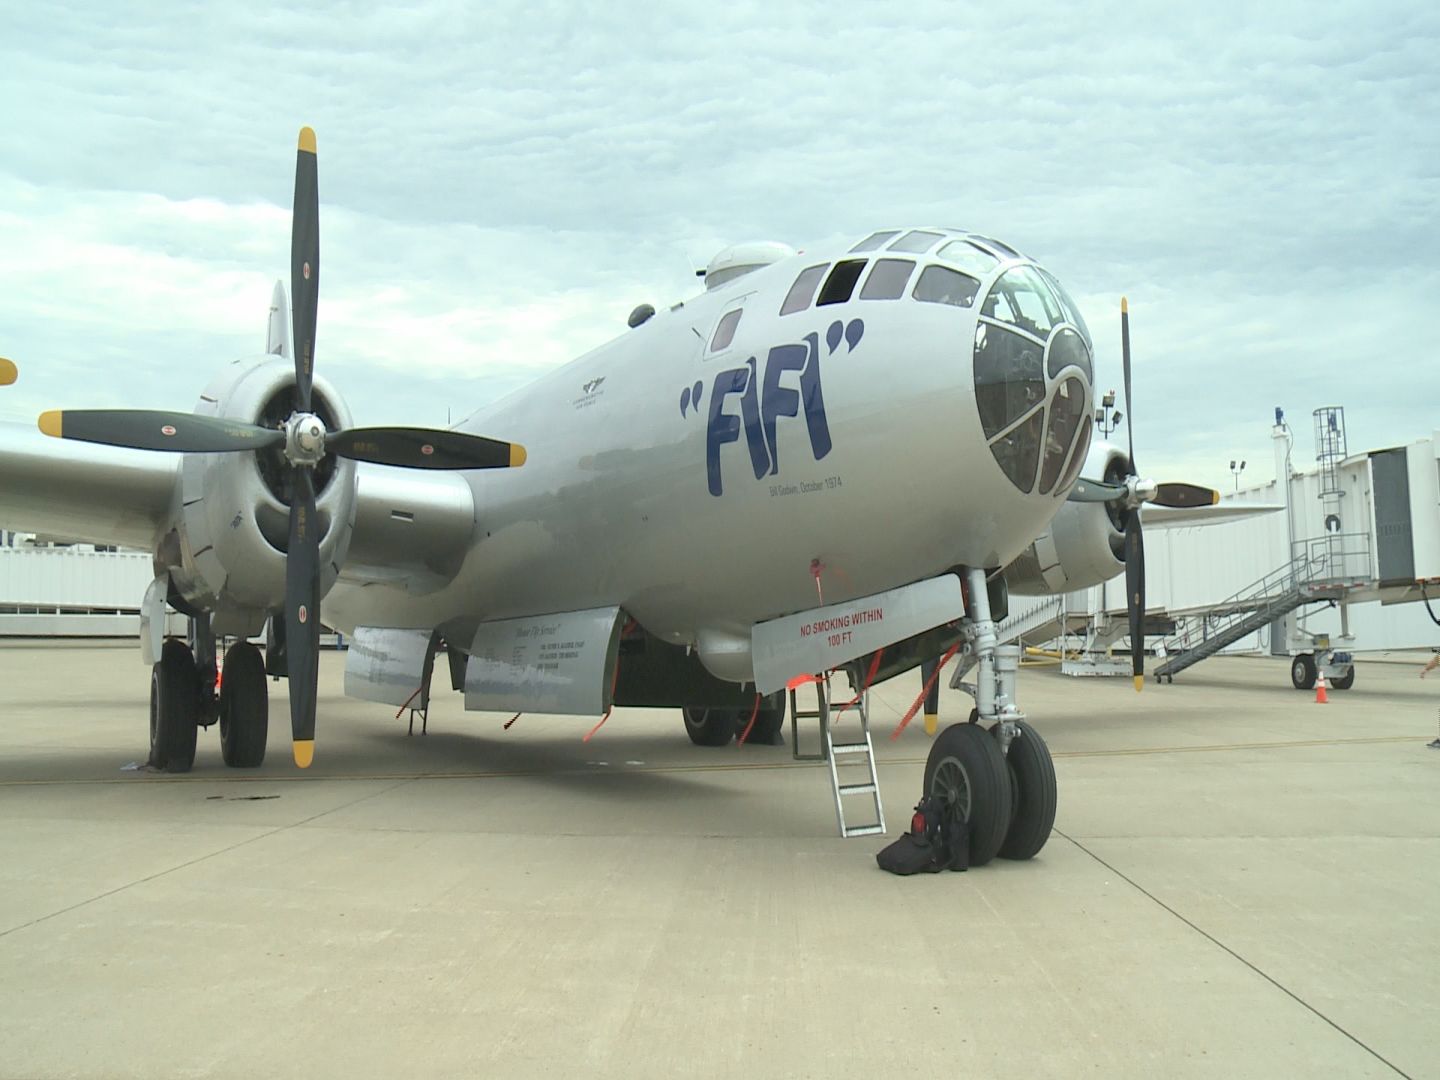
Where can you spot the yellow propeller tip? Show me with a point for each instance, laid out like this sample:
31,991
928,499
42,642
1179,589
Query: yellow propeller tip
8,372
1139,683
49,423
307,140
1124,305
517,455
304,752
1214,497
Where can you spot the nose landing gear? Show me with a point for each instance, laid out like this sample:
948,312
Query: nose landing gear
1004,778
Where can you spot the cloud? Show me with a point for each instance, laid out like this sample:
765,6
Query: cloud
501,185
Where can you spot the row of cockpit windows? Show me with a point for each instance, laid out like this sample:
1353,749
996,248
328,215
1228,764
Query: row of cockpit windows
887,280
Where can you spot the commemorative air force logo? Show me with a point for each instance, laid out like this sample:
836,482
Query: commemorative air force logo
766,397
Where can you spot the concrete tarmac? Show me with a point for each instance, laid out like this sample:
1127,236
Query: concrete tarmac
1242,883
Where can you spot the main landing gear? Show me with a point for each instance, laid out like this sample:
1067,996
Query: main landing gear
1003,778
183,699
716,727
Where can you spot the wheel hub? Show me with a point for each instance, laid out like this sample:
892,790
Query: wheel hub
950,782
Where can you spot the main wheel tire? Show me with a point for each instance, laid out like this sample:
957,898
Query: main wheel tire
174,708
244,707
1302,672
1033,793
710,727
1344,682
966,764
769,727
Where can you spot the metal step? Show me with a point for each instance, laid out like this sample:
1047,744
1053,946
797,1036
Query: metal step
856,752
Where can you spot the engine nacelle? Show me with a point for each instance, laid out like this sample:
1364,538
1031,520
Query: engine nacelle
1084,543
227,554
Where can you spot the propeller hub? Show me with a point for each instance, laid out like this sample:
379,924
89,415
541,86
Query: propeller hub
305,439
1142,490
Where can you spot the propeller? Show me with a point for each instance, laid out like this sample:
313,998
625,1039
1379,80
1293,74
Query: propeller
305,441
1129,495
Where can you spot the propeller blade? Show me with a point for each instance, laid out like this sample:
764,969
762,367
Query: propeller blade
1096,491
302,615
8,372
424,448
305,266
1184,496
151,429
1125,361
1135,595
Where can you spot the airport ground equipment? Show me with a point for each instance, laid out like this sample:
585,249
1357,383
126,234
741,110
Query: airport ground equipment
1327,569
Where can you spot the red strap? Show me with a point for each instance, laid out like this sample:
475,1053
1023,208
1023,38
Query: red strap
598,726
614,682
753,714
910,714
407,702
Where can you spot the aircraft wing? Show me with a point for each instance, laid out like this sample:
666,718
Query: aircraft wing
1206,515
84,491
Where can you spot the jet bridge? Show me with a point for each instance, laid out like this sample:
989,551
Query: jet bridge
1344,561
1329,569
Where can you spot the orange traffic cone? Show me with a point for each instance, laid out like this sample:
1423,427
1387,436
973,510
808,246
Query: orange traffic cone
1321,697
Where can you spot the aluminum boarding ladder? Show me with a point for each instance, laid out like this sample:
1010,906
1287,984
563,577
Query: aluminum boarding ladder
849,756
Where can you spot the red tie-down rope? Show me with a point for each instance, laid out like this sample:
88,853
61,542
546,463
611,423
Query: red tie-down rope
753,714
910,713
614,682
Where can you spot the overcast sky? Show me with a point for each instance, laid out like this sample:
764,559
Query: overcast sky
501,183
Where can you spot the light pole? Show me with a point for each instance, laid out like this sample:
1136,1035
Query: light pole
1107,417
1236,468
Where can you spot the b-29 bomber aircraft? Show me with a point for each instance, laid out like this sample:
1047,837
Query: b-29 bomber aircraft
830,461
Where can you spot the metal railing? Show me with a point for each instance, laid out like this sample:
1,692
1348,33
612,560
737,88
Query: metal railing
1318,569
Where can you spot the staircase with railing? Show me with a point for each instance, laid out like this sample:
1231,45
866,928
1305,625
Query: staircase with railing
1325,568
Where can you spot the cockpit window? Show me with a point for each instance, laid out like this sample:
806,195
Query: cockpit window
1068,410
874,240
1077,459
1009,377
968,257
1033,378
1022,299
800,294
1004,249
1018,449
887,279
1072,310
917,241
941,285
1067,347
725,331
841,282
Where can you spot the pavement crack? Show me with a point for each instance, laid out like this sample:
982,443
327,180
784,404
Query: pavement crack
1226,948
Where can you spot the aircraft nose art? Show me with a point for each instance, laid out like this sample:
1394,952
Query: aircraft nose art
1033,380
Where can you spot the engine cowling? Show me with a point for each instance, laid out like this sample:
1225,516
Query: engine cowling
227,553
1084,543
